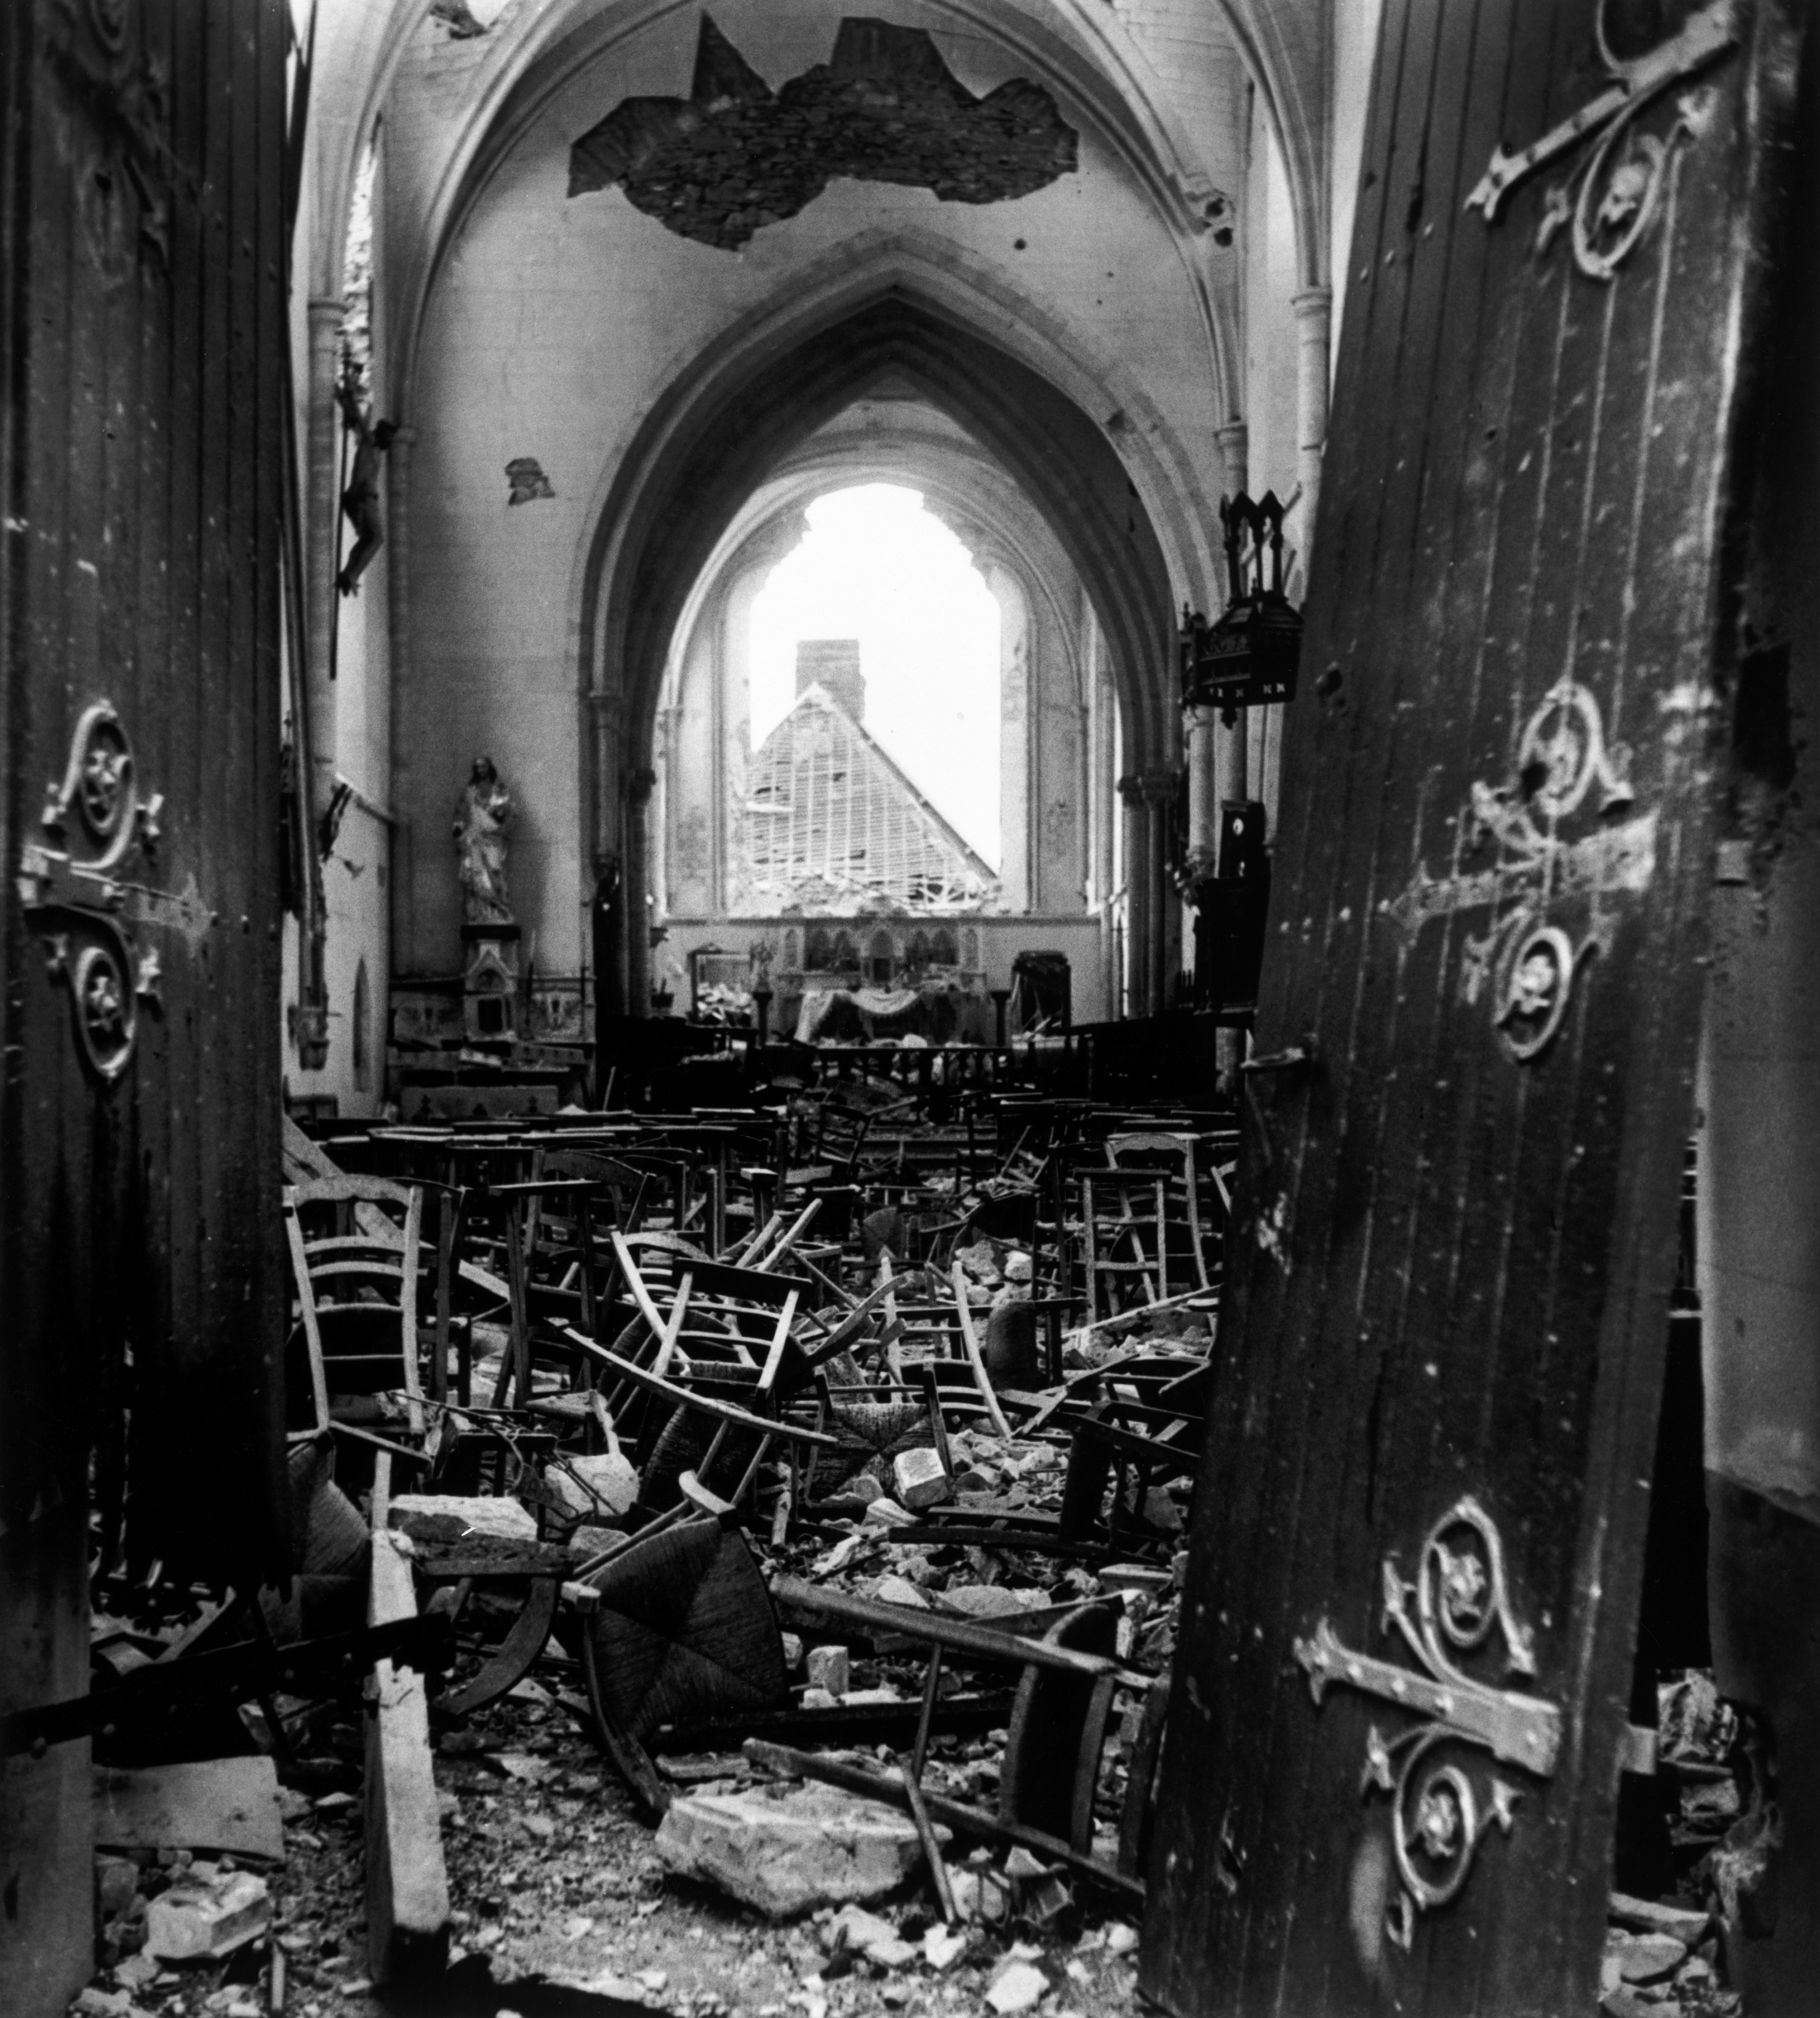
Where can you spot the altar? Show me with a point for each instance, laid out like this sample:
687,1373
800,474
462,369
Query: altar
937,1009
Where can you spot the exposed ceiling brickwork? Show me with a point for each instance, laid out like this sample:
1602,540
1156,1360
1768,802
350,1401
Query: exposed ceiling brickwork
735,156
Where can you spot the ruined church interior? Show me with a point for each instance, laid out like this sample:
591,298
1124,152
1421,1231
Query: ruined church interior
911,1000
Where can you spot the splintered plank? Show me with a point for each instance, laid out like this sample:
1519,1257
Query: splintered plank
227,1805
407,1884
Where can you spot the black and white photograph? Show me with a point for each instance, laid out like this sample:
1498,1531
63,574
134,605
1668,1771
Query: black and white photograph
909,1009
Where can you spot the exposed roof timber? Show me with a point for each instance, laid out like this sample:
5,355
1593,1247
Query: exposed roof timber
892,806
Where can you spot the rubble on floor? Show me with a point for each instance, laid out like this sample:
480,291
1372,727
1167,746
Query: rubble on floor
698,1613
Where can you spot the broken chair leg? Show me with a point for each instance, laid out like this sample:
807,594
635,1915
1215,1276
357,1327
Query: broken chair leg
931,1846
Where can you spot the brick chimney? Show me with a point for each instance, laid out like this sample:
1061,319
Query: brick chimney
833,663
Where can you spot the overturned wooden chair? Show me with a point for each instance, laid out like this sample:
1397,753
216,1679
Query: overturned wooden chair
356,1257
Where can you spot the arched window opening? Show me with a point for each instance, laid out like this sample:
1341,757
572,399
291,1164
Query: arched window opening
868,736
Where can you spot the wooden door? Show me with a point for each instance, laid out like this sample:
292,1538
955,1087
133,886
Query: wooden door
1390,1770
142,314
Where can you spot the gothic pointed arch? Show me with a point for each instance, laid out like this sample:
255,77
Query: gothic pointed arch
720,431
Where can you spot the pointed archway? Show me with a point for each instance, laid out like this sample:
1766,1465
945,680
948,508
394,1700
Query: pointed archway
719,436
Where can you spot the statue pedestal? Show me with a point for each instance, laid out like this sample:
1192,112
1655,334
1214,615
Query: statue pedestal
489,982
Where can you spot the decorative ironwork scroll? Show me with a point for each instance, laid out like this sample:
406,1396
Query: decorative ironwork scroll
1441,1810
96,823
1620,182
1567,775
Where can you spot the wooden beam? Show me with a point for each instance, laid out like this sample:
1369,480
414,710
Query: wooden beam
407,1885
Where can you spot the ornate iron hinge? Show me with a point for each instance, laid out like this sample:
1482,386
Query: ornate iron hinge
72,885
102,57
1565,774
1439,1812
1618,196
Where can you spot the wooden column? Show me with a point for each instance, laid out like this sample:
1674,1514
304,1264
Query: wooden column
1161,788
1137,902
638,904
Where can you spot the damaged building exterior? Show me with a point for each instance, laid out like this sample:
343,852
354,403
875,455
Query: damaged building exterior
683,1328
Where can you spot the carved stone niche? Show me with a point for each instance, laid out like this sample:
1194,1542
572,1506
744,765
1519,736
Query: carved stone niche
490,983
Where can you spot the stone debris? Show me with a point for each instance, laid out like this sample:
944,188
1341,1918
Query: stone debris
1020,1986
877,1940
1689,1924
495,1514
594,1488
786,1850
983,1600
1643,1958
943,1947
920,1479
786,1897
830,1668
209,1915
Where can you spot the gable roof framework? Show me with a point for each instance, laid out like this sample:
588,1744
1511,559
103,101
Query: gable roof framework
834,825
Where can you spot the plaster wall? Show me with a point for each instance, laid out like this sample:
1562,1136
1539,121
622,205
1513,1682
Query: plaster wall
553,326
1188,46
357,875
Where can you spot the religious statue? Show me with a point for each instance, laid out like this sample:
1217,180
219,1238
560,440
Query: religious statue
361,501
480,840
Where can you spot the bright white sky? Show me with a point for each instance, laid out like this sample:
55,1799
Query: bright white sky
877,567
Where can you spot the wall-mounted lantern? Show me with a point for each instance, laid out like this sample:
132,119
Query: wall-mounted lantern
1250,655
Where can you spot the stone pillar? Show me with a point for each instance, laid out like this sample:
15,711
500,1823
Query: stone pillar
731,847
638,907
400,659
1314,309
1234,438
1017,782
322,523
1102,762
1201,734
1138,905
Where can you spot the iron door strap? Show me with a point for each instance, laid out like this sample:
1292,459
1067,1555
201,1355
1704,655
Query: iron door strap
1439,1811
96,825
1619,193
